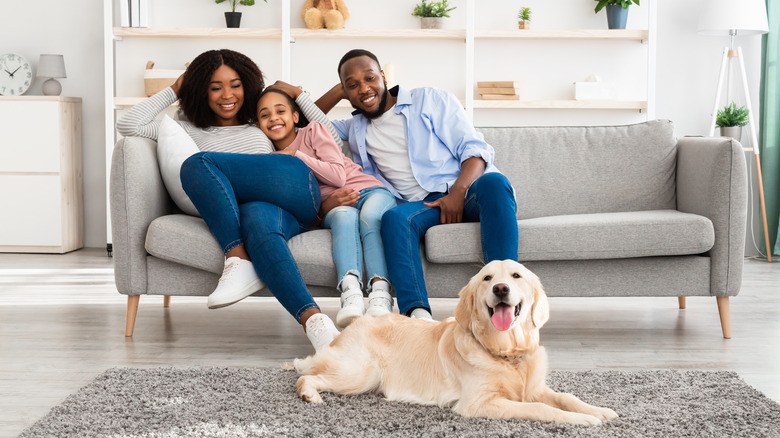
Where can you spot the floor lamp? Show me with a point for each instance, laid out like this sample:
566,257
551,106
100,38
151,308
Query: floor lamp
732,18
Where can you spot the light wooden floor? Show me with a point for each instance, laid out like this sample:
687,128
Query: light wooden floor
62,323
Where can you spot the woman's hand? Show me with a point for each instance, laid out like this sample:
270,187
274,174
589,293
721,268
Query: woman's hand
177,85
290,90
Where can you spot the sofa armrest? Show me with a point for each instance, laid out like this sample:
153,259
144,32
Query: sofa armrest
137,197
712,182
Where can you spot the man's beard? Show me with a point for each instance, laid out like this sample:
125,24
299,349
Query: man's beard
379,111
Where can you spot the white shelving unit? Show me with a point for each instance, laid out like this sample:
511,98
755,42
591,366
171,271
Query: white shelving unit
470,36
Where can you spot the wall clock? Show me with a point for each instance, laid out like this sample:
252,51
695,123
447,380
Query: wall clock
15,74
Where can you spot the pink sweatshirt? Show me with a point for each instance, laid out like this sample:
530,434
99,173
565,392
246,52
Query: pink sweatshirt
314,145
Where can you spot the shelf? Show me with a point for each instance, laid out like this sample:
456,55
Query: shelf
197,32
639,105
395,34
574,34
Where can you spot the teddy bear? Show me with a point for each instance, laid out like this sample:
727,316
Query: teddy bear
329,14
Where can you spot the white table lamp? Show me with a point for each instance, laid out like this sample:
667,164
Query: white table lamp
52,67
733,18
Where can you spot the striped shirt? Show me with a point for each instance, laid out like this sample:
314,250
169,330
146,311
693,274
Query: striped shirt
140,121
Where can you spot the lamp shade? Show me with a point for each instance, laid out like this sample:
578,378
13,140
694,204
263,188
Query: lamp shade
745,17
51,66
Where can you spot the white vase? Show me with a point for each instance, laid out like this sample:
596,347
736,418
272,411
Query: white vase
734,132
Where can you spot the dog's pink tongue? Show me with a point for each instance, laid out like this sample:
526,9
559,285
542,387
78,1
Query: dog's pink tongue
502,317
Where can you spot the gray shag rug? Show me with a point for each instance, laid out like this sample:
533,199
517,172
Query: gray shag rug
224,402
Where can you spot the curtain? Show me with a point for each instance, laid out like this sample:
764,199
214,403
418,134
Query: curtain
769,124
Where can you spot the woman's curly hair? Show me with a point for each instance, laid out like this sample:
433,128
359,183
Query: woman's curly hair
193,94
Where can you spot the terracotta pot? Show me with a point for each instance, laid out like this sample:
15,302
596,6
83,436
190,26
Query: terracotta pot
523,24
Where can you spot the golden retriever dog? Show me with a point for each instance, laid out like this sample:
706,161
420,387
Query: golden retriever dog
484,362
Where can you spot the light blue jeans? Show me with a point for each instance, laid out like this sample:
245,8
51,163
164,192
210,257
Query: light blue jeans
349,224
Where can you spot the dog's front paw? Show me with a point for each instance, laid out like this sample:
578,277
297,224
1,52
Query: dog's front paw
288,366
310,396
605,414
581,419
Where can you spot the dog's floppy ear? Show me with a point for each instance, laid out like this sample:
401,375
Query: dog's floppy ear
540,311
465,306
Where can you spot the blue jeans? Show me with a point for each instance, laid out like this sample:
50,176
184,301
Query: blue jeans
349,224
490,200
259,201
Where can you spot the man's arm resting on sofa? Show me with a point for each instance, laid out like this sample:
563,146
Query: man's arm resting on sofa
137,197
712,182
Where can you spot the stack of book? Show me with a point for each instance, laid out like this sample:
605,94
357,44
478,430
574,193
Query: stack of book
498,90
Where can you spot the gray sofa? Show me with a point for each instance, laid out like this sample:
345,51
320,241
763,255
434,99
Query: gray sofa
602,211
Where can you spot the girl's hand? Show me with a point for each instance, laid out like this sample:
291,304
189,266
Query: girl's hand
338,198
290,90
285,151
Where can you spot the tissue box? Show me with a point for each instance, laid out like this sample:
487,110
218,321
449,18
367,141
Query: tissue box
591,91
156,80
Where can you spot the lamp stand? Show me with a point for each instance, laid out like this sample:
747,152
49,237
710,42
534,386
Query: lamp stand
727,54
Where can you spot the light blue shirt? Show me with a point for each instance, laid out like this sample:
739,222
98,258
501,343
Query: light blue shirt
439,135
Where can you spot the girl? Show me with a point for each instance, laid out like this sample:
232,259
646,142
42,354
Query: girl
277,117
252,201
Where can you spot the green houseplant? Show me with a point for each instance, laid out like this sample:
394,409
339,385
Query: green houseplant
617,11
233,18
524,18
431,14
731,119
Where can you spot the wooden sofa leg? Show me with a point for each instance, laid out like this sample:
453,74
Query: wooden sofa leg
681,301
167,301
132,311
725,316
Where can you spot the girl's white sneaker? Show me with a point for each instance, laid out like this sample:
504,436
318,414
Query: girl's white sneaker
352,307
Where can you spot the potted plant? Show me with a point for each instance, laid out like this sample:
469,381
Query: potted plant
617,11
524,18
731,119
432,14
233,18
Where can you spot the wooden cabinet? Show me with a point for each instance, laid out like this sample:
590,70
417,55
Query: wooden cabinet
41,196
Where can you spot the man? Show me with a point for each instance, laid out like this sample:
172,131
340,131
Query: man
422,147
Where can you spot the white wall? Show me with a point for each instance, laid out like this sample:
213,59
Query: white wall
687,64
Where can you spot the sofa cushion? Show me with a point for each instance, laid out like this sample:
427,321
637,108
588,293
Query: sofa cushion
578,170
583,236
187,240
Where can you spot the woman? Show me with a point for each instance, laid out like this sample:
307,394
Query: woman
272,197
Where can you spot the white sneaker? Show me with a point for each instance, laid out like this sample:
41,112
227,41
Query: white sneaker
380,302
352,307
420,313
320,330
239,280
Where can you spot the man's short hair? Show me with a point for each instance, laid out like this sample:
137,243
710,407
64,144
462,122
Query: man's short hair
354,53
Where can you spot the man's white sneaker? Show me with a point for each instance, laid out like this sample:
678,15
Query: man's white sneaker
320,330
380,302
420,313
239,280
352,307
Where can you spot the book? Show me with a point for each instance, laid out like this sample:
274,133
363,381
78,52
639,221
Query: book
498,84
500,97
502,90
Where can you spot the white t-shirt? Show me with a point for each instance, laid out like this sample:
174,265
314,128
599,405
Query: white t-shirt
387,146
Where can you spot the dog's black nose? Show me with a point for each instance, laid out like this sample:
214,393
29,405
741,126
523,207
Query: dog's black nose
501,290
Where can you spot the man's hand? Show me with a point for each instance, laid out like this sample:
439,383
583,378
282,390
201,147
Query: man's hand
338,198
290,90
451,206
